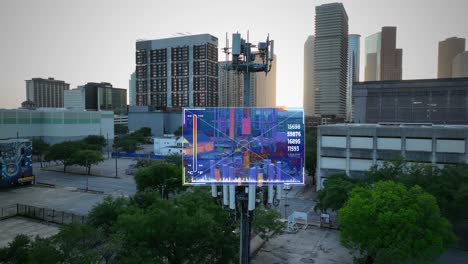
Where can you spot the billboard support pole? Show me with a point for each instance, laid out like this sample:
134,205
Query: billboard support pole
244,227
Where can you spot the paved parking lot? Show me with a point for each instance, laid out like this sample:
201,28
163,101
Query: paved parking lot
11,227
75,177
54,198
313,245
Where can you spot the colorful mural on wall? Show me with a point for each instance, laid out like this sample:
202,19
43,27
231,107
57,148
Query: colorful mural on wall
15,162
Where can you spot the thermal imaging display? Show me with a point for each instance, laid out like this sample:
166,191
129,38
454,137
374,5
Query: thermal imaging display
243,145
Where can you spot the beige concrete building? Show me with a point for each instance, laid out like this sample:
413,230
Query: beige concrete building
448,49
309,90
265,87
460,65
46,92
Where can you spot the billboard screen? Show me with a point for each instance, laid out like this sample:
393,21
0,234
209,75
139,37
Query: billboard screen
243,145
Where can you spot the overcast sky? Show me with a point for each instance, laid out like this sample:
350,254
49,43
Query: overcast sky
94,40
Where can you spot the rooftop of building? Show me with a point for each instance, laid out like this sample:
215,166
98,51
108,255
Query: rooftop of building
52,109
402,125
182,40
13,140
415,81
50,79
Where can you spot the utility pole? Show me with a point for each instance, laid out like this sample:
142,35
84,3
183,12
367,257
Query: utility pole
107,144
243,60
116,167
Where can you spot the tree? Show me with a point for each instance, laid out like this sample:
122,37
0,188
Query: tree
311,151
389,223
267,223
63,152
335,193
39,148
389,170
178,132
79,243
95,140
189,229
164,177
43,250
174,158
15,251
120,129
126,143
86,158
105,214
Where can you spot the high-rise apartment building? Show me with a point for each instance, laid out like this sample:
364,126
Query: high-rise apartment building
383,59
177,72
331,57
46,92
309,91
353,71
448,49
132,89
231,86
460,65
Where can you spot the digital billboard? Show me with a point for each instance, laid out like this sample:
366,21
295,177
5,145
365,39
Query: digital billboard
242,145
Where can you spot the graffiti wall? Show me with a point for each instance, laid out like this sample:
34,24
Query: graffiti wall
15,162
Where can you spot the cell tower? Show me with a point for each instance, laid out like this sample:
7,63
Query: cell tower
244,61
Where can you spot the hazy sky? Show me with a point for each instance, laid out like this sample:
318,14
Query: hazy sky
94,40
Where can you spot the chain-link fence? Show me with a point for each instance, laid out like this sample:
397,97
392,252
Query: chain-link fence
43,214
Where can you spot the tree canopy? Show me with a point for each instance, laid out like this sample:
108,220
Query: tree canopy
311,151
86,158
448,185
162,176
39,148
72,152
390,223
336,192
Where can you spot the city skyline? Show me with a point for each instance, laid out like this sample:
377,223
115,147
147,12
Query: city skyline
73,42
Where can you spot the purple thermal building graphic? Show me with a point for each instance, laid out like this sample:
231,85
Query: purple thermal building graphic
243,146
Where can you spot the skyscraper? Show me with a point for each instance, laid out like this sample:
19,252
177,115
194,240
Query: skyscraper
46,92
448,49
177,72
383,59
265,86
460,65
353,71
309,91
391,59
372,68
330,63
132,89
